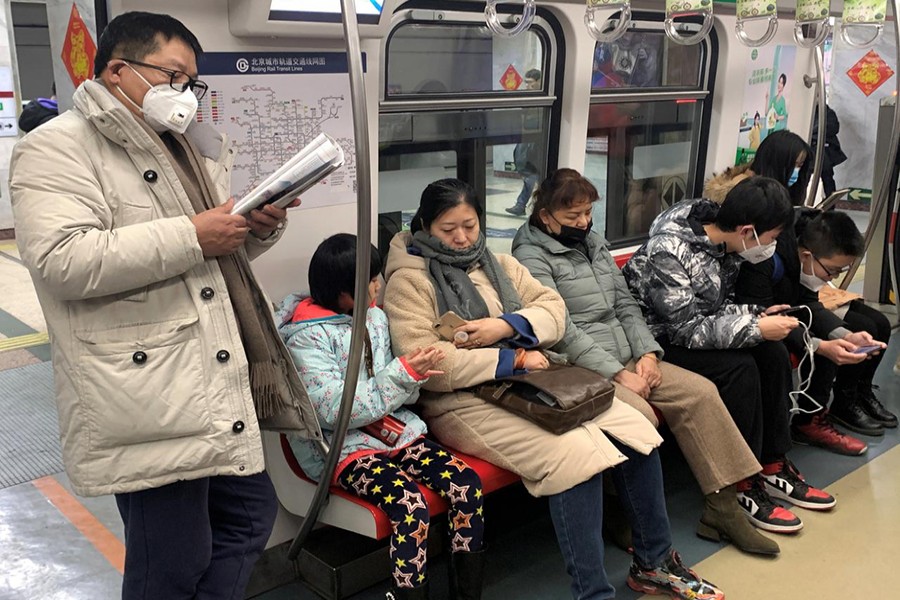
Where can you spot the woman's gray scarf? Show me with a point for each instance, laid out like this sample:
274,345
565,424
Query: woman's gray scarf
448,270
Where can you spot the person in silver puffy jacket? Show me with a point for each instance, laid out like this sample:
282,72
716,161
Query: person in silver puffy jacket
684,277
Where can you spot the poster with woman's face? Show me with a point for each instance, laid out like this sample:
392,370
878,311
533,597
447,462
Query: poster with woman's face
766,105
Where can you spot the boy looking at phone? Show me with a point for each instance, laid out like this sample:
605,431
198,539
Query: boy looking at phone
819,248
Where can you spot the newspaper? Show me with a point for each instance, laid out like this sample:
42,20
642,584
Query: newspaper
309,166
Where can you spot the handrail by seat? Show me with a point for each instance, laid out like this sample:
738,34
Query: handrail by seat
880,194
363,254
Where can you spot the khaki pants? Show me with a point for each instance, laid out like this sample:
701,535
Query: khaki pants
705,432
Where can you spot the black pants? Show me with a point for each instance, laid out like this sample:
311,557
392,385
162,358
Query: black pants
826,375
196,540
754,385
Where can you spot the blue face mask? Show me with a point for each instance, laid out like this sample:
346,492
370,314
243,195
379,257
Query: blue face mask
795,175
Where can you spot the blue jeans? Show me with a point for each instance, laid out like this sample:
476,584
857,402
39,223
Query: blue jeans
577,517
196,540
528,183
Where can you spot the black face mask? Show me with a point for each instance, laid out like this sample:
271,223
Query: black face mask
571,236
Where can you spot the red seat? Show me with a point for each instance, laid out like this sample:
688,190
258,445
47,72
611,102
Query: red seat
492,478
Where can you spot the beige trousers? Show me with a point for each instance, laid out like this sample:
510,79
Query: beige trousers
710,441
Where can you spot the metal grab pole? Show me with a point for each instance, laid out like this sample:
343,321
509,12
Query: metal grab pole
363,256
880,199
820,137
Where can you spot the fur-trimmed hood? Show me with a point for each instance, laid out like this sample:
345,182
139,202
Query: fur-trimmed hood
718,186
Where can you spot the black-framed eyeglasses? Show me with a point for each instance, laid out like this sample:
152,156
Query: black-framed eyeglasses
179,80
831,272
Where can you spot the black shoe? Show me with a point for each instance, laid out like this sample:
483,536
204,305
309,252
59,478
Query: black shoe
873,406
516,210
466,575
853,417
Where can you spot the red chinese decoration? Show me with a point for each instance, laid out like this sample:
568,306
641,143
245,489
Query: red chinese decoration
510,80
870,72
78,50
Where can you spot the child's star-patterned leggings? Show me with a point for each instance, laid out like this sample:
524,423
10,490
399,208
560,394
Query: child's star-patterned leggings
386,480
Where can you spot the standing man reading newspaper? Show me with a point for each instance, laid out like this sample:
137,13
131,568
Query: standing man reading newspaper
164,349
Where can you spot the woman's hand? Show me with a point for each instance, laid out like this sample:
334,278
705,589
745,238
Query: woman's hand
536,361
484,332
648,369
775,328
424,361
633,382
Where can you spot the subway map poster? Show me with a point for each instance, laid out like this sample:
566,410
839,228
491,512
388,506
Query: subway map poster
271,104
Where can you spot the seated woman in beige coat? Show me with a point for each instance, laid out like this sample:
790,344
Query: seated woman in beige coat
443,265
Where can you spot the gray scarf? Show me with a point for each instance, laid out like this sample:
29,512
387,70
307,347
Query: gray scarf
448,270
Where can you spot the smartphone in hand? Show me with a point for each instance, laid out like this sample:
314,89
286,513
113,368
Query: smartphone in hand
867,349
448,323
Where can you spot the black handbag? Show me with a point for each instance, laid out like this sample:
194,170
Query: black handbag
558,399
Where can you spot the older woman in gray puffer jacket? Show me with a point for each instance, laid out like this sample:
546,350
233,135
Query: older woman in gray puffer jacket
606,332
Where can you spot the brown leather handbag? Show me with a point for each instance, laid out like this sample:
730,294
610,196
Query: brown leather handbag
558,399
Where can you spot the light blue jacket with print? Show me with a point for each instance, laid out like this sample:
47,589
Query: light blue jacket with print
319,343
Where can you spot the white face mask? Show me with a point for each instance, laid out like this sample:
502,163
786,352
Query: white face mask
165,108
758,253
811,281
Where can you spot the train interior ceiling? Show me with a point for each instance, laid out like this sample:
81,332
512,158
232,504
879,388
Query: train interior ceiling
645,119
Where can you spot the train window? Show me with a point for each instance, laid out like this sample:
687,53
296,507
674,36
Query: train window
459,102
646,59
437,59
645,140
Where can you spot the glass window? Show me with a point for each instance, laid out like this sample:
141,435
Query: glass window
646,59
644,136
502,152
640,157
438,59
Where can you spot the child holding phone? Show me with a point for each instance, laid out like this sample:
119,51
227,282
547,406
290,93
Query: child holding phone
385,450
818,249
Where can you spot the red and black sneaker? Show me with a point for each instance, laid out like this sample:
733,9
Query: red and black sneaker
762,511
820,432
784,481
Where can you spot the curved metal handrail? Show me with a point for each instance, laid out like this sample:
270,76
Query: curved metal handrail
845,34
671,27
595,28
880,201
748,41
823,28
363,254
492,19
813,13
820,126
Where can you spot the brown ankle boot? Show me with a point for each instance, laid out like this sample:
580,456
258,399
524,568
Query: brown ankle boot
723,519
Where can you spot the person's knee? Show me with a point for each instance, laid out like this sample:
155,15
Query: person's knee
466,488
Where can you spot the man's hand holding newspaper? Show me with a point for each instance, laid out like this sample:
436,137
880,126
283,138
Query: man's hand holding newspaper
281,189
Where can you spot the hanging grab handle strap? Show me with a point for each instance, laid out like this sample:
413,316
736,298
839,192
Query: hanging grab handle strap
492,19
812,15
756,10
685,8
596,25
863,15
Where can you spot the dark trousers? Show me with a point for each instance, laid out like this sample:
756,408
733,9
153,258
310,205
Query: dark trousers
860,317
754,385
196,539
827,375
